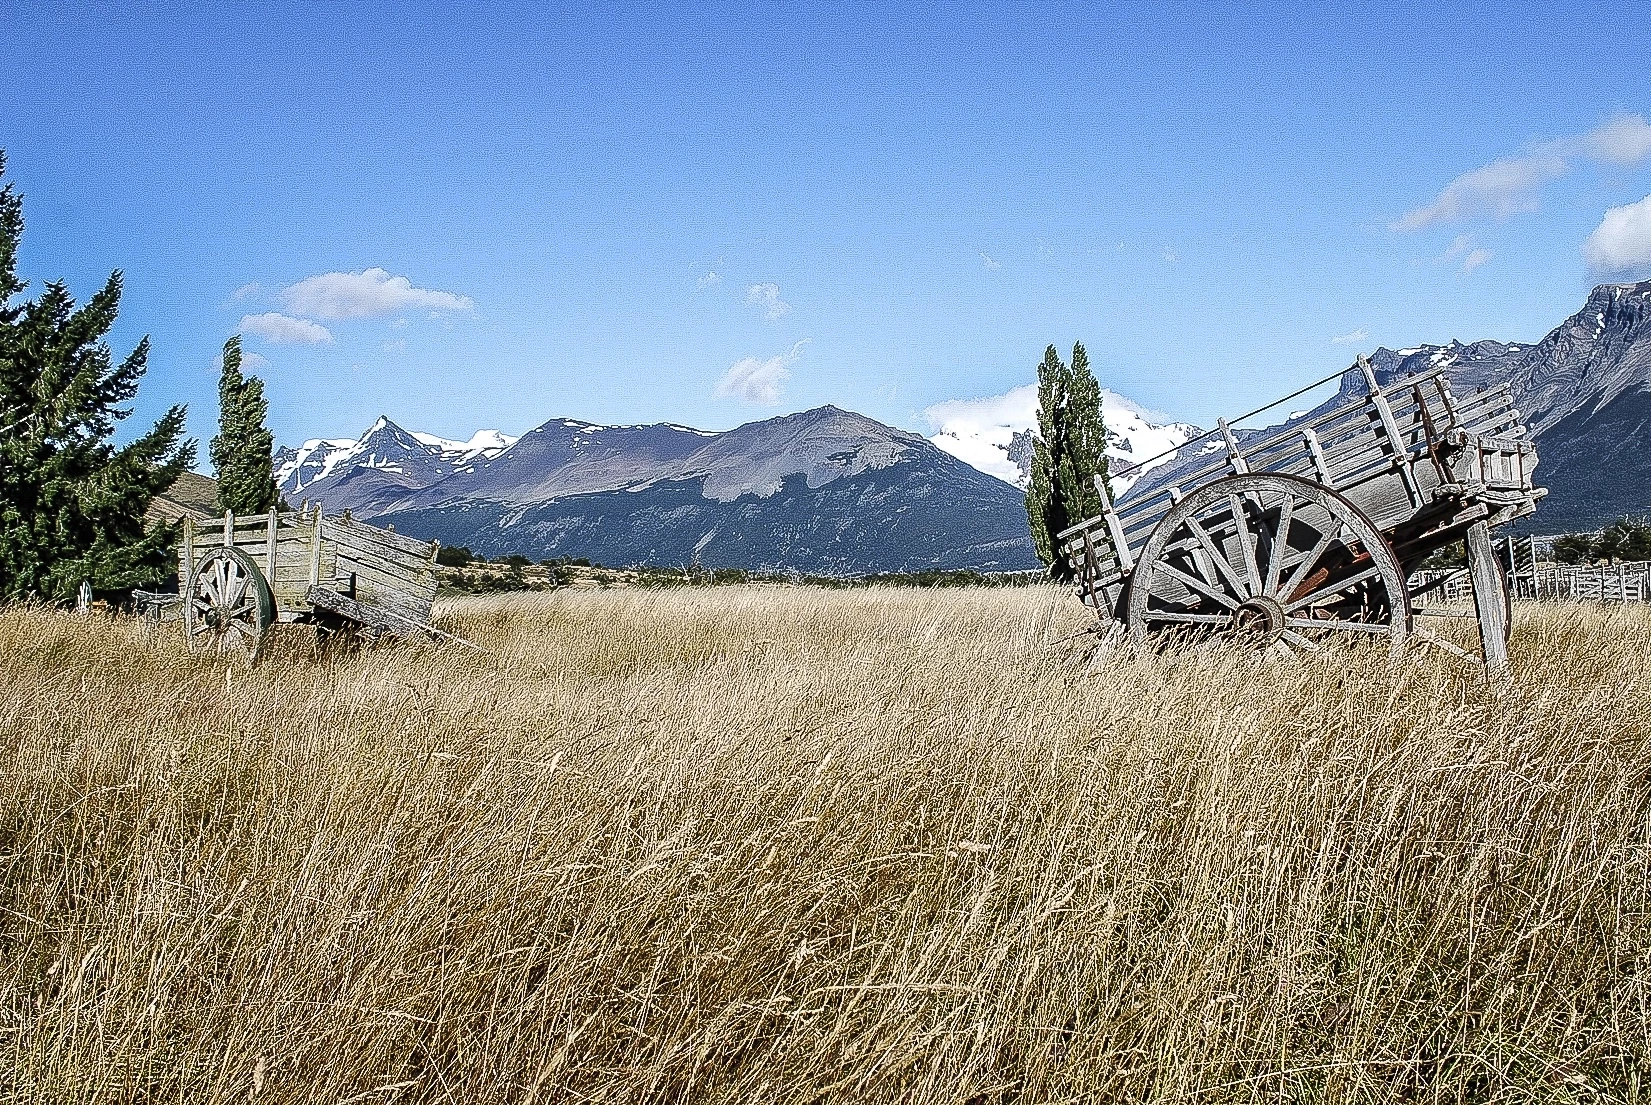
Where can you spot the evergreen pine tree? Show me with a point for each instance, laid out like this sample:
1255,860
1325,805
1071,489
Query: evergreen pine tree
71,503
243,452
1042,499
1069,451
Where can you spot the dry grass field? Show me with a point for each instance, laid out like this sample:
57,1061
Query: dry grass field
792,845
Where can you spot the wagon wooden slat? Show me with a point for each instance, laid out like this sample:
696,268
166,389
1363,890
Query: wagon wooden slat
239,575
1311,529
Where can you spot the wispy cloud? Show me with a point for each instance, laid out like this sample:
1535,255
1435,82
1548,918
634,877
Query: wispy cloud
285,330
1621,244
1513,185
767,296
1350,338
990,262
246,291
709,280
371,293
1170,256
1464,254
760,381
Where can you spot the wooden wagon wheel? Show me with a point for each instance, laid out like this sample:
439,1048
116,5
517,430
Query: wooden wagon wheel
227,605
1276,560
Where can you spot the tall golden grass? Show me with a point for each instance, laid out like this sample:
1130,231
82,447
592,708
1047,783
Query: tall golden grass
795,845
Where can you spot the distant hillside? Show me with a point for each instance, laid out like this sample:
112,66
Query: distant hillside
1584,391
826,491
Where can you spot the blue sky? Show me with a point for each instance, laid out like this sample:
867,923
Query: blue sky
491,215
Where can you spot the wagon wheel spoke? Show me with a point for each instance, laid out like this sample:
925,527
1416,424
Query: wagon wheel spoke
1336,624
1246,544
1188,619
1280,543
1194,583
1214,552
1305,565
238,581
1346,581
1297,640
1340,586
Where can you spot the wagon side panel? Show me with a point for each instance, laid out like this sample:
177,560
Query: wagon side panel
384,568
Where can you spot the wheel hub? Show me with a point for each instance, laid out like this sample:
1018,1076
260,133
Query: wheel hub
1260,616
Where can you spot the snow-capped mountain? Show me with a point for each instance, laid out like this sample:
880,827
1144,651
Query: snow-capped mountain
825,490
384,463
1584,392
994,435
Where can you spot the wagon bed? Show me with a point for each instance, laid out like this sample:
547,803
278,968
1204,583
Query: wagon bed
239,575
1350,500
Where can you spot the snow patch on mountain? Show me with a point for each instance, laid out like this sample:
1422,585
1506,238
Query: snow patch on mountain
994,435
483,445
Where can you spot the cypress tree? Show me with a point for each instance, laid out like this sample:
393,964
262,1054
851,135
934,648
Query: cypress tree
243,452
72,504
1068,452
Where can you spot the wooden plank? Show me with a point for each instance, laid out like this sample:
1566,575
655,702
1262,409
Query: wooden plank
1487,599
362,613
315,549
368,536
271,537
353,559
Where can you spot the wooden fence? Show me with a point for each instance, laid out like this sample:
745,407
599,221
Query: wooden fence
1532,577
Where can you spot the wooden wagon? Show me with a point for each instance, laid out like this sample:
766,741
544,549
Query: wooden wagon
1312,529
240,575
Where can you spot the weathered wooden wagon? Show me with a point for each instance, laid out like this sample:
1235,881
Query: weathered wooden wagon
1312,529
240,575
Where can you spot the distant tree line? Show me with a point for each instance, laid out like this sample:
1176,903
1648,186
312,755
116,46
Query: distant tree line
1626,539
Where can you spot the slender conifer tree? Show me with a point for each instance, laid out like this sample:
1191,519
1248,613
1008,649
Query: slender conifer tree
1068,453
243,452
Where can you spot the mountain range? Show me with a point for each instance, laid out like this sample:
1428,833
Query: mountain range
828,490
825,490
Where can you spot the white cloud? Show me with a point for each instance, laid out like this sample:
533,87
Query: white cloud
1502,188
1621,243
284,329
759,381
246,291
710,279
251,359
990,262
1170,256
1351,338
1463,252
1512,185
1625,140
372,293
399,345
767,296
